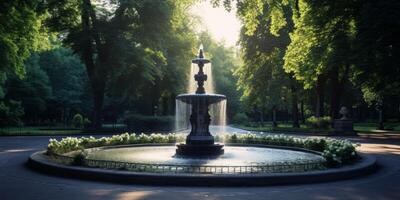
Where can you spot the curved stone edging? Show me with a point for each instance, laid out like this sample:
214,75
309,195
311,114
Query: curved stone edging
366,166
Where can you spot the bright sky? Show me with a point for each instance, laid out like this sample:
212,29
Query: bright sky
222,25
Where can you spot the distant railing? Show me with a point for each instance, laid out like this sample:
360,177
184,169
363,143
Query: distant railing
277,167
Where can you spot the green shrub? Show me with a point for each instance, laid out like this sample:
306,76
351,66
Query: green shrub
69,144
146,123
77,121
338,152
240,118
319,122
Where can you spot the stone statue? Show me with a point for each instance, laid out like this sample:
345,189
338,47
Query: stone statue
344,125
344,112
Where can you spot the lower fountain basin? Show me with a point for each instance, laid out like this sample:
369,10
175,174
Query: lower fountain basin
233,156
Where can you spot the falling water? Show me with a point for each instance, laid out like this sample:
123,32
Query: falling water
182,115
218,117
217,111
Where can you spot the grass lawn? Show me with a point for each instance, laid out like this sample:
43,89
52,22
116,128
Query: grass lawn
30,131
282,127
371,127
287,127
46,130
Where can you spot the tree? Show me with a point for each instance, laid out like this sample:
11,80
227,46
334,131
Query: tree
33,91
172,41
10,113
106,36
262,77
67,78
321,48
21,32
332,42
377,53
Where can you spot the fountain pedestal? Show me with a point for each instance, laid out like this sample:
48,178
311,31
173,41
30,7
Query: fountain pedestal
200,142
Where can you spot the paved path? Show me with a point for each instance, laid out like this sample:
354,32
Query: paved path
19,182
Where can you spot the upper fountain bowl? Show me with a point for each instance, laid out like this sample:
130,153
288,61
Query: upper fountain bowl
207,98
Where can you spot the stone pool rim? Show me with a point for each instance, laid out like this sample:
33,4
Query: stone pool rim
366,165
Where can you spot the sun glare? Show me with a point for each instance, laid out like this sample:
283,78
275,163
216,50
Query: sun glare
223,25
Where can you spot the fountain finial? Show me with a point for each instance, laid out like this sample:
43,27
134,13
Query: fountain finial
201,51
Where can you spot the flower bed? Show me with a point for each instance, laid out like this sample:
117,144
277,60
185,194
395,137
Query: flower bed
336,152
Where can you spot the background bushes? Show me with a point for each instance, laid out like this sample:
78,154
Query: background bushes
319,122
144,123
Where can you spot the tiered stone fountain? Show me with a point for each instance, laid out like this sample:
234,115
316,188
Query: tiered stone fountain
199,161
200,142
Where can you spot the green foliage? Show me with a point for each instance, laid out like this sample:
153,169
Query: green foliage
10,113
33,91
70,144
377,48
21,32
66,74
145,46
265,84
319,122
338,152
321,39
77,120
145,123
240,118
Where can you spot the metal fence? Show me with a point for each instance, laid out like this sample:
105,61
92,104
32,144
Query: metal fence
278,167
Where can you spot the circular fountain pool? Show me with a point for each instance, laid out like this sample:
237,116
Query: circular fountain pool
244,164
234,156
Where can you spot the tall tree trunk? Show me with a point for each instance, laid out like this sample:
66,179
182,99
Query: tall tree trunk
398,112
155,98
337,90
165,105
335,93
98,97
97,73
320,90
172,104
381,116
303,120
295,109
274,124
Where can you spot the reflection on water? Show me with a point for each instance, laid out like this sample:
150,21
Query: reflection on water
233,156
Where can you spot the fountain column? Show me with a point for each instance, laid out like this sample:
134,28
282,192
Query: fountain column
200,142
200,118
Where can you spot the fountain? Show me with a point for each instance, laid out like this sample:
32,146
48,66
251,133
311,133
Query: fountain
200,142
249,159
